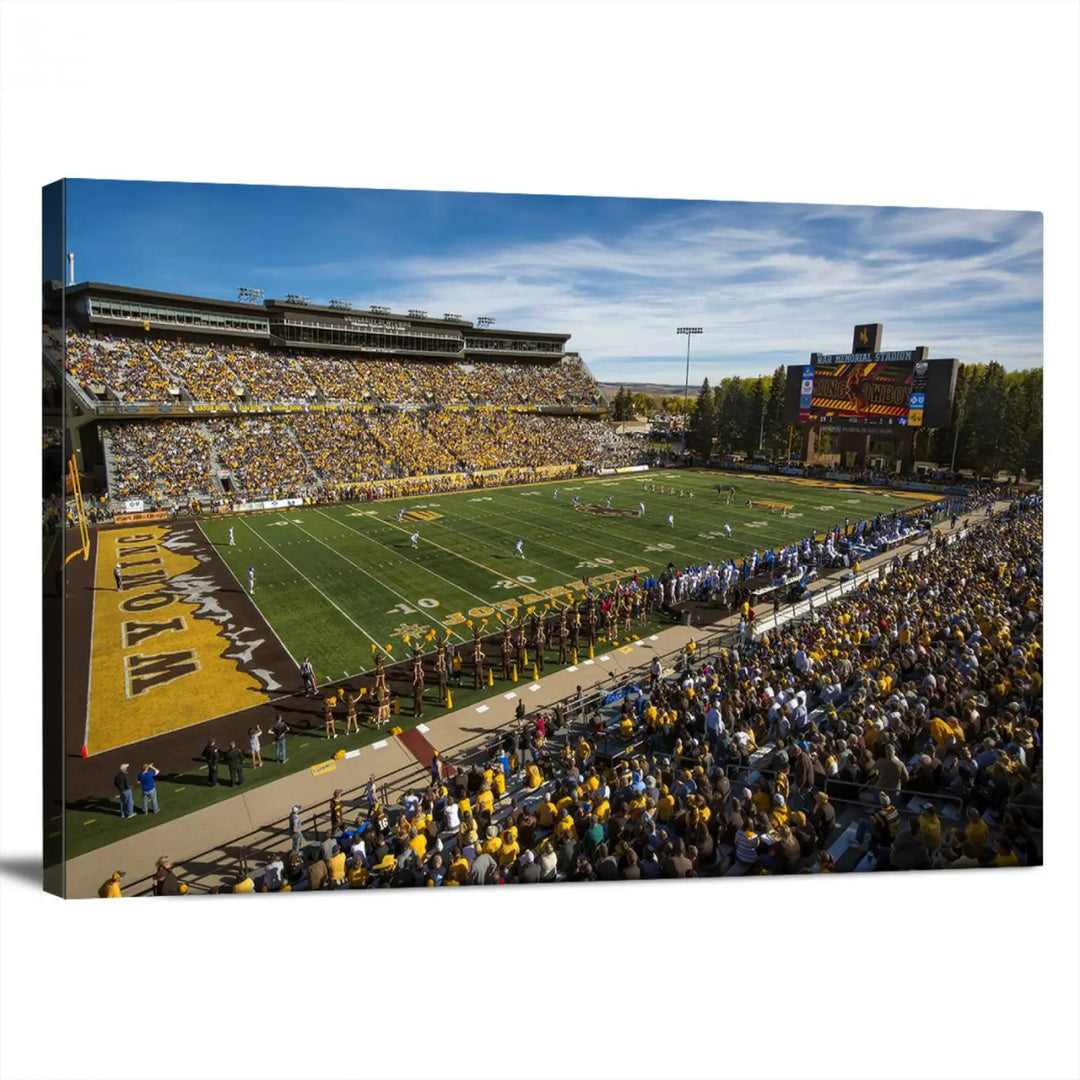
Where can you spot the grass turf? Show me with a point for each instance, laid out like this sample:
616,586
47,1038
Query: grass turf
335,581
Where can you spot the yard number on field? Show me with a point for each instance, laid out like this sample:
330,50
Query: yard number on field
406,609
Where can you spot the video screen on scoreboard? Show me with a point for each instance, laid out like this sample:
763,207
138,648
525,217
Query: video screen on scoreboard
870,391
864,390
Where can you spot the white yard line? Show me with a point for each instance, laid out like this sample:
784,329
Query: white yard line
332,603
412,562
498,574
198,526
377,580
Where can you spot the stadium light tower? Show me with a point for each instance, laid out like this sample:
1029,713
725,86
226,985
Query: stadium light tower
689,331
484,321
249,296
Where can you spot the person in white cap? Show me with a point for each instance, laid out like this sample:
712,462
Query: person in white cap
296,831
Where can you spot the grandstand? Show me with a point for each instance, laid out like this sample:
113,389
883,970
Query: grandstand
177,398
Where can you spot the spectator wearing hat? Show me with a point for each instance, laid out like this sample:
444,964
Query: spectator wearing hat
335,867
234,759
122,782
110,889
822,816
165,881
778,814
296,832
148,784
212,756
883,828
337,812
280,730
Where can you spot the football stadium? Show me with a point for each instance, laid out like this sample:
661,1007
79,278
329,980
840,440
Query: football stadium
369,599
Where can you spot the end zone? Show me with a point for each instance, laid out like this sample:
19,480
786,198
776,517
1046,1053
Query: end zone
177,643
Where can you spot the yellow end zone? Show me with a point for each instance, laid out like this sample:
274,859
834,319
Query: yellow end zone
155,664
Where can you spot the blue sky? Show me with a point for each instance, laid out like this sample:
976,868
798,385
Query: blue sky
768,283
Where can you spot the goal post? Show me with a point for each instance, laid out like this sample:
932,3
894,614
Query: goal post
80,514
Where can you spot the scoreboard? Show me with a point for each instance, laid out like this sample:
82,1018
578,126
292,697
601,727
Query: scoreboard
882,388
869,391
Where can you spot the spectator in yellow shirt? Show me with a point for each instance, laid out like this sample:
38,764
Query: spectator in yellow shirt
110,889
564,828
509,852
418,842
335,866
976,831
1004,854
547,814
930,827
458,874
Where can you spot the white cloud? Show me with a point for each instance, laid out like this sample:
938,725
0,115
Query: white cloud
790,281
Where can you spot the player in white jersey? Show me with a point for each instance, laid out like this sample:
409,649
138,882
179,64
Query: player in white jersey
519,548
727,529
671,521
608,503
251,579
575,500
414,539
640,509
401,514
555,493
232,542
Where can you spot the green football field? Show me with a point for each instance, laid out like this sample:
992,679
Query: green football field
334,581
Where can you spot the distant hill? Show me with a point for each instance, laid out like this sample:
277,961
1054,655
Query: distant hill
609,390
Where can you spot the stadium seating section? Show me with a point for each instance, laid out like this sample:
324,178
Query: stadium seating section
162,372
367,421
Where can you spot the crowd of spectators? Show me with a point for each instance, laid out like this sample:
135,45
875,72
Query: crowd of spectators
262,455
132,370
338,380
273,375
342,447
320,452
159,460
901,729
208,372
164,370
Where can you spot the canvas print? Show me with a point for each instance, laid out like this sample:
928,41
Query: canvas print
428,539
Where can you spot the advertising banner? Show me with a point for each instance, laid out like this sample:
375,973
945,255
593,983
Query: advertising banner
149,515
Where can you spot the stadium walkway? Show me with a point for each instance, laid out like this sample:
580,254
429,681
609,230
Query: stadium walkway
194,845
